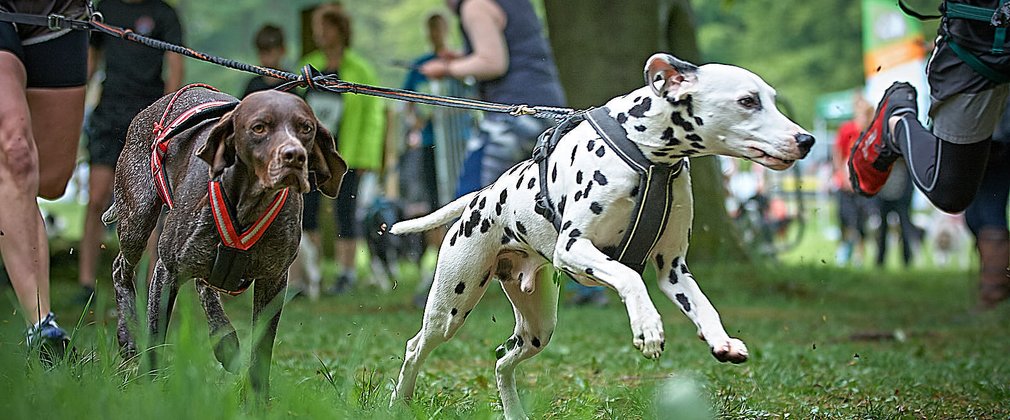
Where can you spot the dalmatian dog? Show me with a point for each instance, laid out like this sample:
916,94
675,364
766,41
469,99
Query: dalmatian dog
684,110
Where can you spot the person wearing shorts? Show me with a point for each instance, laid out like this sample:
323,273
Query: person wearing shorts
42,78
968,74
133,80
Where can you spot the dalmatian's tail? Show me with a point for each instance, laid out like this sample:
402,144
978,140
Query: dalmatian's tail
435,219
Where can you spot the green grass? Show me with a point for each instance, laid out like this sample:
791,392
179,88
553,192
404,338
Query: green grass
825,342
821,340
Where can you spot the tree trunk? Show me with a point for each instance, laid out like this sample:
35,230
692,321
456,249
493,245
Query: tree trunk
601,47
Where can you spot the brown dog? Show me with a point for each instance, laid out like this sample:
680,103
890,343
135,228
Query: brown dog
271,141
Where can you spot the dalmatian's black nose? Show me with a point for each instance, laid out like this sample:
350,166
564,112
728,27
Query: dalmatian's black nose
805,142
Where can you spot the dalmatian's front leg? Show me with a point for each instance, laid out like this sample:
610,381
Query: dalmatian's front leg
676,281
578,256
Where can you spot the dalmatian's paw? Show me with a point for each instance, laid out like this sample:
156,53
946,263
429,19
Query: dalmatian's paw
649,337
731,350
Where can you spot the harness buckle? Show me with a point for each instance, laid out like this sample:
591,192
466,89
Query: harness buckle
56,22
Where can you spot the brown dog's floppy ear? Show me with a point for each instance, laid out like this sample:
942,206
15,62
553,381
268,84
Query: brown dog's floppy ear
325,163
219,150
670,70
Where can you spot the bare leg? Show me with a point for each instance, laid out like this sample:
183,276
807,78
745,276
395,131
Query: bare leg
99,197
31,119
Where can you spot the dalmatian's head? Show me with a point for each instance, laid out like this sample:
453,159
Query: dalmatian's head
718,109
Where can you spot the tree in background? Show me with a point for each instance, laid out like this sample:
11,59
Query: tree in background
601,46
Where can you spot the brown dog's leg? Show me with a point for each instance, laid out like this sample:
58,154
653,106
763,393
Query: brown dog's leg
123,277
159,308
268,301
222,333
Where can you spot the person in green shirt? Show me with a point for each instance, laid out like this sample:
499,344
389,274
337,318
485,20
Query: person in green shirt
357,122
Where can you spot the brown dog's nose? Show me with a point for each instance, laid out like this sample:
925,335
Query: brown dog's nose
293,156
805,142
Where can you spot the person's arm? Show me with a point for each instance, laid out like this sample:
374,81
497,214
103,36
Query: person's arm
176,70
484,22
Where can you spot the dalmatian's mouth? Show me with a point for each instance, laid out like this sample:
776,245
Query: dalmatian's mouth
773,162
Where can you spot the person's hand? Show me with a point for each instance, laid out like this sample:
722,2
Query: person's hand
449,55
435,69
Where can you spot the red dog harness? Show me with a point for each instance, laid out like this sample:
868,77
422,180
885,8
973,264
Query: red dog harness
232,257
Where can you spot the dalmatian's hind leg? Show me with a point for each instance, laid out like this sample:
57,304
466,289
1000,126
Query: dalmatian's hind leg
461,278
536,316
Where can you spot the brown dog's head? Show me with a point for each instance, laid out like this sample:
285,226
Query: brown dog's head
278,137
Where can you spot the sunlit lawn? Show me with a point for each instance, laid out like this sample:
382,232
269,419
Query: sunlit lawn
825,342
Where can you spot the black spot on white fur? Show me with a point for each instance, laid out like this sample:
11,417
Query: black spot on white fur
622,118
600,152
599,178
660,262
589,271
578,177
590,145
532,182
596,208
453,312
639,110
561,205
460,287
684,303
520,227
640,128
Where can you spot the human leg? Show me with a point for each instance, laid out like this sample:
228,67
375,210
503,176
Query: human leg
99,197
987,219
23,241
348,231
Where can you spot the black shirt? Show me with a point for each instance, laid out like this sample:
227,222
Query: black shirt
132,70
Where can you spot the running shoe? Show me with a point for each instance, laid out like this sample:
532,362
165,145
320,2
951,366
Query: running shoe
874,153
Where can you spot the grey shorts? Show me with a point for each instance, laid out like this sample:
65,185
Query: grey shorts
966,107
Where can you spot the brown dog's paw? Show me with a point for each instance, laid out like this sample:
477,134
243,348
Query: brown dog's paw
227,352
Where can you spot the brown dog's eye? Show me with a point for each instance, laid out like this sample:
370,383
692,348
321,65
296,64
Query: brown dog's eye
307,128
259,129
749,102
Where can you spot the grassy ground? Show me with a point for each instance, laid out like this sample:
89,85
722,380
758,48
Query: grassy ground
825,342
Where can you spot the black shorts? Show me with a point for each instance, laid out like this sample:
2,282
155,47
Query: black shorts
106,130
55,63
344,209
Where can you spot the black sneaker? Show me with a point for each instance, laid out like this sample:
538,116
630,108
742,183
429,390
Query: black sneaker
51,340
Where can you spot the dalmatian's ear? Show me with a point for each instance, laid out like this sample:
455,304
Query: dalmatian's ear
669,73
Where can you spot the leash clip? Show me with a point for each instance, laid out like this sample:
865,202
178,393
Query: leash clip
56,21
523,110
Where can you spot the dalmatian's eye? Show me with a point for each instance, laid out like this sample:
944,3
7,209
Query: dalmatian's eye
259,129
749,102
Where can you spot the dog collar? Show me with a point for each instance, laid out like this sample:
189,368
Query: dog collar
652,203
164,133
232,256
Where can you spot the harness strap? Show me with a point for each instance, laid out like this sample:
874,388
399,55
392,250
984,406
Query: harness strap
546,143
224,218
54,22
973,61
233,257
164,133
655,198
653,203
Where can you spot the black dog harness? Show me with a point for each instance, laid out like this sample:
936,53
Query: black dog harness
652,204
232,256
